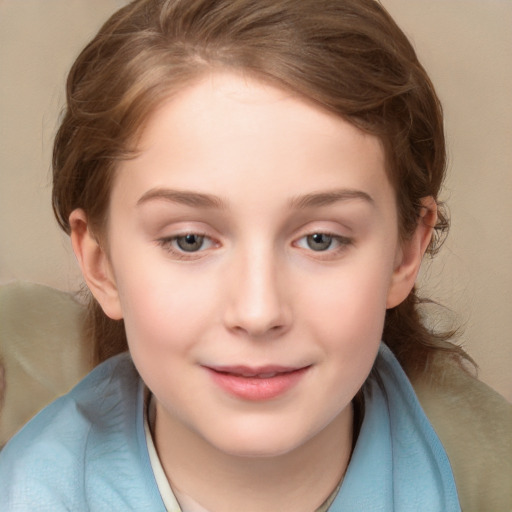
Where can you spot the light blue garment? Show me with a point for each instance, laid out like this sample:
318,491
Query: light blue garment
84,452
87,451
399,463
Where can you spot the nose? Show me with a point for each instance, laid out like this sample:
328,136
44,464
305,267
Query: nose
258,306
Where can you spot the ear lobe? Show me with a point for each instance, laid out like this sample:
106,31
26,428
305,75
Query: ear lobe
410,254
95,265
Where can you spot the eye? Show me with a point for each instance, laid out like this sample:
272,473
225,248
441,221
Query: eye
321,242
187,243
190,242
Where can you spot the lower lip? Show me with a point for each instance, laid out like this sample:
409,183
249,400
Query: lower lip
257,389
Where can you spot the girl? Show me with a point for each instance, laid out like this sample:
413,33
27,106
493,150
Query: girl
250,188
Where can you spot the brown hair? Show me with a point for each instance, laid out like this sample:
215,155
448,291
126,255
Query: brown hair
348,56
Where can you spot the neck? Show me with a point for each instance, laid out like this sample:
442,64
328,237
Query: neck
299,480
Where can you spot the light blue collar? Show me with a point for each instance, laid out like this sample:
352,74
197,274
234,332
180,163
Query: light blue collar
399,463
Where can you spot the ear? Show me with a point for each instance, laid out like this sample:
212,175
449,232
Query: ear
410,254
95,265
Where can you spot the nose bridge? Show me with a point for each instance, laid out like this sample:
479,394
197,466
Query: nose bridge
257,301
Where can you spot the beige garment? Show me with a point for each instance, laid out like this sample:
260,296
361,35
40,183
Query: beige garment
474,424
41,348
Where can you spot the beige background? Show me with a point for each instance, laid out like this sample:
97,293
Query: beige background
466,45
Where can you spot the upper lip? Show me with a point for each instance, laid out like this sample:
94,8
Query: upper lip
255,371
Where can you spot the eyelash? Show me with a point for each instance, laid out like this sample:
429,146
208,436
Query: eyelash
342,242
169,245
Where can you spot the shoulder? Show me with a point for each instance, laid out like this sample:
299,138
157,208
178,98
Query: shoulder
474,424
47,463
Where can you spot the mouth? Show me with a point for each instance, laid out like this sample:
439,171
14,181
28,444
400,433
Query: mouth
256,384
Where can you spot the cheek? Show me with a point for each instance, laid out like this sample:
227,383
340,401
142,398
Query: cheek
351,327
352,298
347,317
161,308
349,322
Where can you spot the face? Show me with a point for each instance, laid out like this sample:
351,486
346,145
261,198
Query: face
253,250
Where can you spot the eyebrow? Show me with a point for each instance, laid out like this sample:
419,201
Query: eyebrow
318,199
200,200
193,199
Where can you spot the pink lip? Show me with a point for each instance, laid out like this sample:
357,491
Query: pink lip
261,383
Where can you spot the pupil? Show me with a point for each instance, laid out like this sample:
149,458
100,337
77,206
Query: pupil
190,243
319,241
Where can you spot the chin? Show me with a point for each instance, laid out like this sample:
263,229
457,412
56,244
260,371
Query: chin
272,441
265,450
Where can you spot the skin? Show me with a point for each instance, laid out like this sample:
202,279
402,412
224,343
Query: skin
300,260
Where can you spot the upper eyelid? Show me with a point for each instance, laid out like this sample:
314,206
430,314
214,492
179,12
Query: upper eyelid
171,238
181,227
177,232
345,233
319,222
335,236
204,234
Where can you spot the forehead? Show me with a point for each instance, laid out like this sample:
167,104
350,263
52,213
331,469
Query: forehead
231,135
